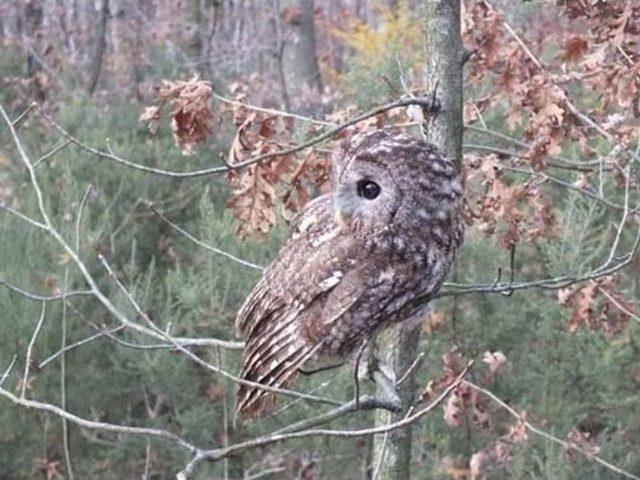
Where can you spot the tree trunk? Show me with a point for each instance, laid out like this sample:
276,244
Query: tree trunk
101,42
33,14
392,452
306,60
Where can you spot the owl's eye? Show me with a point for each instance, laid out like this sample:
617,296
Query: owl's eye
368,189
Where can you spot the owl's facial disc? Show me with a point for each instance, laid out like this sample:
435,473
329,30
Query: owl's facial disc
365,195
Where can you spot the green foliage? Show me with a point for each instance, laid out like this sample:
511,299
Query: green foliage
382,55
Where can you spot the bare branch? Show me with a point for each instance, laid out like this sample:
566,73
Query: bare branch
554,283
83,201
44,298
200,243
272,111
79,343
61,146
219,454
20,118
109,427
27,362
6,373
537,431
425,102
22,216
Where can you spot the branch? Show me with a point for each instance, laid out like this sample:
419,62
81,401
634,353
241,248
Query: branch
584,118
221,453
6,373
200,243
425,102
77,344
27,362
542,433
109,427
21,216
44,298
612,265
272,111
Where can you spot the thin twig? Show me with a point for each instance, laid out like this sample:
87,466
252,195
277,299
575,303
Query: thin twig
200,243
109,427
537,431
220,453
425,102
27,362
63,372
52,152
22,216
79,343
273,111
20,118
83,201
43,298
618,305
7,371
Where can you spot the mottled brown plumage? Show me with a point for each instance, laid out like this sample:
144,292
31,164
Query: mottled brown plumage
357,260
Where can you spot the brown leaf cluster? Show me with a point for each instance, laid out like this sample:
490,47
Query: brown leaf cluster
500,452
282,180
515,212
598,304
466,403
190,110
582,439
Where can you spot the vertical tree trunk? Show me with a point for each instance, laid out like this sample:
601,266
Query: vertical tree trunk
33,13
101,42
444,56
306,60
279,55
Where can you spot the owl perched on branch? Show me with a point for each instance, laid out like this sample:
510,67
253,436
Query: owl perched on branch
366,255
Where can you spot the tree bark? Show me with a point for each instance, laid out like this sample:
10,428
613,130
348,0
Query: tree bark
444,61
306,59
101,43
307,56
33,14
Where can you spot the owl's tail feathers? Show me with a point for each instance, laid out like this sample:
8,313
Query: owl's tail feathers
272,366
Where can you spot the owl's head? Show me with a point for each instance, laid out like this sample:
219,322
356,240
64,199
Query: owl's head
386,177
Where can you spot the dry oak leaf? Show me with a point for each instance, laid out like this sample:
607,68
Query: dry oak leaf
495,361
574,49
150,115
191,115
254,188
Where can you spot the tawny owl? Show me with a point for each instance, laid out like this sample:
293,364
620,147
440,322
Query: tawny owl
357,260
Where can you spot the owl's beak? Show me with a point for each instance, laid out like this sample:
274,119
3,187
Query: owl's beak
342,218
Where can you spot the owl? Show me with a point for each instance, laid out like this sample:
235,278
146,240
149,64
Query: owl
358,259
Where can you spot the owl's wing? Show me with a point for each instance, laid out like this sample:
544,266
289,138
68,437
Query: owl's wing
286,316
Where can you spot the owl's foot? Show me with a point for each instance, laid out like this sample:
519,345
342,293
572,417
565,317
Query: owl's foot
324,368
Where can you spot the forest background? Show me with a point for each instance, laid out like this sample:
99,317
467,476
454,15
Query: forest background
135,118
